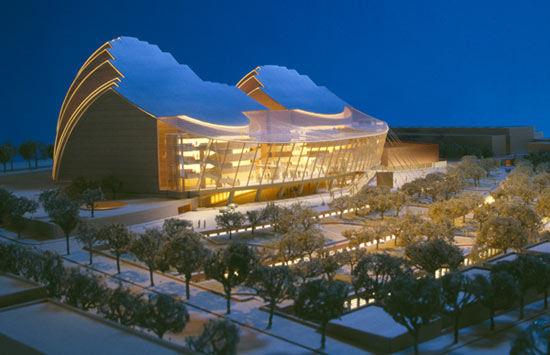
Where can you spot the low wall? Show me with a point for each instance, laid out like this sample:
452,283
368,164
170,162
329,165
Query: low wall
33,292
166,211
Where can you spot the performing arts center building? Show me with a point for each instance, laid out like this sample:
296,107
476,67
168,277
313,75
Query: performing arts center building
134,112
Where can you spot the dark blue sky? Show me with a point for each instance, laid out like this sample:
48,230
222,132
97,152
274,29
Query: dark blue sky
406,62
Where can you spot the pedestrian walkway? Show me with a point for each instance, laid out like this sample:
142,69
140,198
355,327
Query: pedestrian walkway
285,336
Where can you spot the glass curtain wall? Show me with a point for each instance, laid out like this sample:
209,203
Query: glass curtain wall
198,163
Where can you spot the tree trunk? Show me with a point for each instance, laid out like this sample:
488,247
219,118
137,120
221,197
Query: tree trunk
29,161
11,163
271,311
93,206
187,280
323,334
546,299
382,215
118,263
4,167
456,329
151,276
90,252
36,163
415,337
492,317
228,300
521,304
67,239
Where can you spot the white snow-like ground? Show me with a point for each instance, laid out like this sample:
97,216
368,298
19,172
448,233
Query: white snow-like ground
282,338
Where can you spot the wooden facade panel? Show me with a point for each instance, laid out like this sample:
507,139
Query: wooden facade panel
114,137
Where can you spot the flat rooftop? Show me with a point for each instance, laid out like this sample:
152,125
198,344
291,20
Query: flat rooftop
373,320
542,247
499,258
472,272
11,284
52,328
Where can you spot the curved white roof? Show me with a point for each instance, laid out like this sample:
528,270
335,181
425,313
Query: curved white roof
154,81
296,91
157,83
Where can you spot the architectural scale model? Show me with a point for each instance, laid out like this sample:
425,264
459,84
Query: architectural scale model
133,111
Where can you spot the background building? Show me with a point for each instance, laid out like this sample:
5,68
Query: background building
134,112
501,141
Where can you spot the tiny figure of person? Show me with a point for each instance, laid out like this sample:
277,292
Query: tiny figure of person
204,224
199,223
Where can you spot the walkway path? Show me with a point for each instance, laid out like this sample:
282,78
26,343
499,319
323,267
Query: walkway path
285,336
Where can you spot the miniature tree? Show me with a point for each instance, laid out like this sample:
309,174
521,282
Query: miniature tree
307,269
467,202
271,212
495,292
374,233
412,303
398,199
527,217
358,201
255,218
352,256
482,213
230,220
301,217
457,294
321,301
340,204
174,226
118,239
219,336
230,266
146,247
88,234
6,154
501,233
407,229
122,306
535,339
434,254
288,247
61,210
329,264
52,273
381,201
310,241
113,184
543,203
542,181
186,254
27,150
20,206
77,187
543,283
441,210
524,270
373,273
273,285
90,197
162,313
411,189
83,291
